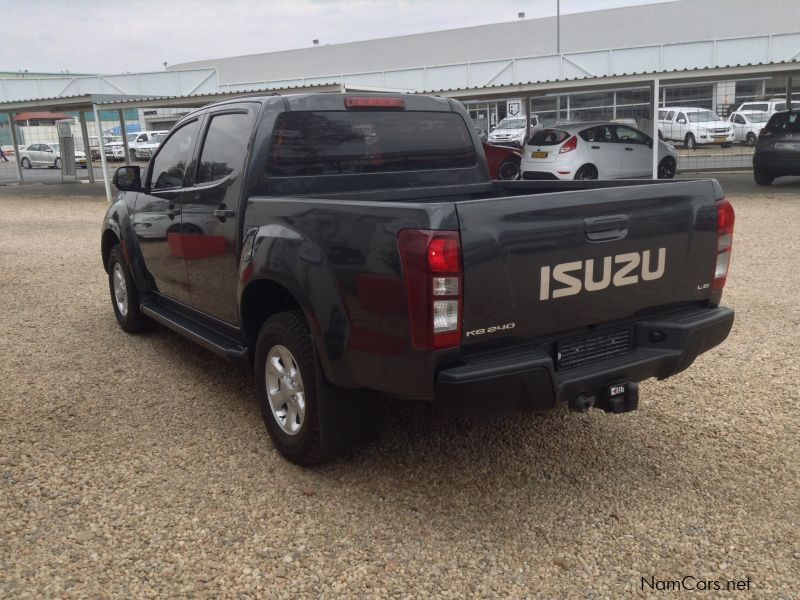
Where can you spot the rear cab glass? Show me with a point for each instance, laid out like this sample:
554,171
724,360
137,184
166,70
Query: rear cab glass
314,143
548,137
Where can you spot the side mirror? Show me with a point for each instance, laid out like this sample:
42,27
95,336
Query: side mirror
127,179
682,121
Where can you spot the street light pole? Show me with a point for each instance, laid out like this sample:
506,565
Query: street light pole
558,26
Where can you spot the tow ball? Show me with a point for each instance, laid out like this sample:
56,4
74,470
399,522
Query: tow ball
615,398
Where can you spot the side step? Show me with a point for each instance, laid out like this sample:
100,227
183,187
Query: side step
197,332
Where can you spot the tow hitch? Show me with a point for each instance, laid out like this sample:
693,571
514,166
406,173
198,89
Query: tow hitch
616,398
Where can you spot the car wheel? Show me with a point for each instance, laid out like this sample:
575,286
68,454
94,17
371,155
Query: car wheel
26,163
124,296
751,139
132,154
307,420
587,172
57,164
689,143
666,168
509,170
763,178
660,135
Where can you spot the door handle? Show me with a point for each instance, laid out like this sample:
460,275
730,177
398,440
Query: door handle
628,149
224,213
172,211
595,147
605,229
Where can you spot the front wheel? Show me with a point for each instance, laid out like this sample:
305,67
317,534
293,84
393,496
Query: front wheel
57,164
751,139
509,170
689,143
763,178
26,163
132,154
124,296
586,172
666,168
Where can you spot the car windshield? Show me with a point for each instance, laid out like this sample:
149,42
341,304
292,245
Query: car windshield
511,124
132,137
785,122
758,118
55,147
548,137
702,116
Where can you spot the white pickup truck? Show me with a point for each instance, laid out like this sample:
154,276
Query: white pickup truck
694,126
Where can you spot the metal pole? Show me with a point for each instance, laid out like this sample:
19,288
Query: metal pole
656,92
789,94
87,147
124,138
558,26
527,122
20,178
106,182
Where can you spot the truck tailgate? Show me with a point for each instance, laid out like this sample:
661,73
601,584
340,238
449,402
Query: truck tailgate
557,262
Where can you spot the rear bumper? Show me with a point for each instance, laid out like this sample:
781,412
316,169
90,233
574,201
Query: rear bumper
526,378
777,163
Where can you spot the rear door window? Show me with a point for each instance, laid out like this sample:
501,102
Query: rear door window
548,137
316,143
670,115
225,146
626,135
601,133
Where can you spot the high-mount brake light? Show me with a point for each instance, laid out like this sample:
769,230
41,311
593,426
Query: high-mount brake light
725,220
370,102
569,145
433,276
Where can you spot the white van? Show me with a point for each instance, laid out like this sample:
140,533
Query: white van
694,126
769,106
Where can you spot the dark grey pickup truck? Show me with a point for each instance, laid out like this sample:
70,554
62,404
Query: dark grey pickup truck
353,246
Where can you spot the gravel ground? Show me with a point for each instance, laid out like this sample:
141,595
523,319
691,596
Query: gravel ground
137,466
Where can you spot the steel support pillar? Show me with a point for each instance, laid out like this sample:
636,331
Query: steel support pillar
106,182
87,148
20,178
654,97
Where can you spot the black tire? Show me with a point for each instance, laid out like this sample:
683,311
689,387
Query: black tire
57,164
751,139
660,135
26,163
133,321
289,329
587,172
689,143
132,154
509,170
666,168
763,178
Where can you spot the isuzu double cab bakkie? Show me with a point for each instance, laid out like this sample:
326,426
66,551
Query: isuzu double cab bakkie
353,247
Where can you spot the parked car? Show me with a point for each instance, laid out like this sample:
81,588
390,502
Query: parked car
46,155
145,150
346,271
768,105
503,162
143,139
595,150
511,131
694,126
747,124
777,151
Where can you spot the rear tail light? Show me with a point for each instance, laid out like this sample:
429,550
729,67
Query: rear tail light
433,276
569,145
370,102
725,219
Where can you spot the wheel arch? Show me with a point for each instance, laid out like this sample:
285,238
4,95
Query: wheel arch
107,242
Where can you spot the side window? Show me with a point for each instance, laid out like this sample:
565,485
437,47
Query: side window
661,115
681,117
601,133
670,115
34,147
740,120
626,135
172,160
142,138
225,146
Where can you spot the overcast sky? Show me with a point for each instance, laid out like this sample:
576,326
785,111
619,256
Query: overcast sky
114,36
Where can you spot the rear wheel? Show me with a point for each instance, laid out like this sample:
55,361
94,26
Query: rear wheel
689,143
666,168
763,178
587,172
26,163
660,135
132,154
751,139
509,170
57,164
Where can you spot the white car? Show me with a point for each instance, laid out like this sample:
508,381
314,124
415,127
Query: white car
146,150
511,131
769,105
141,139
747,124
46,155
595,150
694,126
